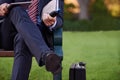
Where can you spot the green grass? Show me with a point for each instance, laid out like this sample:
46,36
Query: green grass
99,50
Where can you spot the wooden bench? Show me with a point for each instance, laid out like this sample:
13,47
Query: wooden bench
57,49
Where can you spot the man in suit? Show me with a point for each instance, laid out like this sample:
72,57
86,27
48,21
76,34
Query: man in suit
32,39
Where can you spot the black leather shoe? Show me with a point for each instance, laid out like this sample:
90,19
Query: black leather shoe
53,63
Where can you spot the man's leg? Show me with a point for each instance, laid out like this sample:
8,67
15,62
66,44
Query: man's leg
8,33
34,40
29,32
22,60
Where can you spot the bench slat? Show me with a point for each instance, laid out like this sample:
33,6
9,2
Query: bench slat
6,53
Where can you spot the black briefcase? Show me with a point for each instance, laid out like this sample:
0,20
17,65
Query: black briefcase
77,71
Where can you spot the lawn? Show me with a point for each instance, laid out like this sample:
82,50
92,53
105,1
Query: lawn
99,50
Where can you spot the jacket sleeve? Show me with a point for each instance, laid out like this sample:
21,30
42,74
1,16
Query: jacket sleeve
6,1
60,16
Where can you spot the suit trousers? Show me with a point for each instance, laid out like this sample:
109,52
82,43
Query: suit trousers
27,42
7,34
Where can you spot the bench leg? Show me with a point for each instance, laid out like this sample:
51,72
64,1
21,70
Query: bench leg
58,76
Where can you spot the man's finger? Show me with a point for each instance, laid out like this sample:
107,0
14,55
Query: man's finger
3,9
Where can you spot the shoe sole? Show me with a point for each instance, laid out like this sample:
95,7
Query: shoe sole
53,63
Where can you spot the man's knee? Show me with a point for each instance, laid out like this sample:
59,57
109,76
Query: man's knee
17,15
16,9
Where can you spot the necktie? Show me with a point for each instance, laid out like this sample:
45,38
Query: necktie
32,10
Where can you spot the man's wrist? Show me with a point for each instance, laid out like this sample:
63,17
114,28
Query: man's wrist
51,27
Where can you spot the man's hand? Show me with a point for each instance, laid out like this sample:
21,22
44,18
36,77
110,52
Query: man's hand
3,9
48,20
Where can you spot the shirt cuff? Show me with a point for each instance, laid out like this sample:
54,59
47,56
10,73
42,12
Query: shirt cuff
51,27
